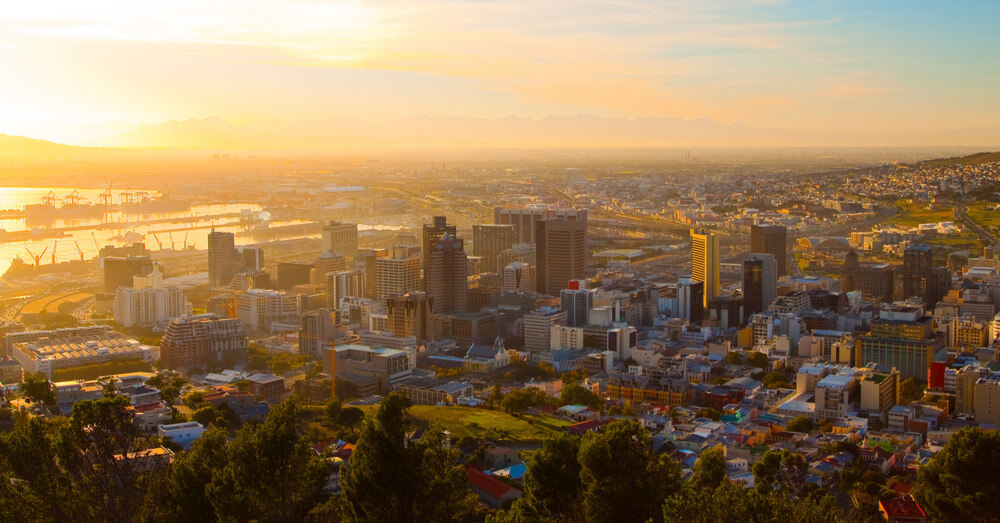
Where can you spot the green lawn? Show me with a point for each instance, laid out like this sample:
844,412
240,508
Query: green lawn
984,214
915,213
483,423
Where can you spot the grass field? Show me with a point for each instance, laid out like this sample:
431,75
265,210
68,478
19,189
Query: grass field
482,423
915,213
984,214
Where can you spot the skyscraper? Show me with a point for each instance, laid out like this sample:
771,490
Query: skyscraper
446,277
561,251
253,257
918,275
343,284
326,263
223,258
432,232
773,240
119,271
705,262
577,304
760,283
397,274
691,299
342,238
410,314
488,241
519,276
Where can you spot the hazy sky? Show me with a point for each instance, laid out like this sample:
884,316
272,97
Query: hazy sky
70,68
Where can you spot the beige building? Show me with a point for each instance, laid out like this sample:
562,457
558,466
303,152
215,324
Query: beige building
397,274
988,399
342,238
705,262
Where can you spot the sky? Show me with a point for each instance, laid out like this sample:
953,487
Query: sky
73,71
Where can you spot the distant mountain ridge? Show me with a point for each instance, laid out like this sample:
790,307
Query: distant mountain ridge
585,131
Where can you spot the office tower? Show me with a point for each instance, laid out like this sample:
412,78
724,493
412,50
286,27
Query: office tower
291,274
342,238
223,258
488,241
446,275
148,302
522,252
691,299
326,263
344,284
411,314
250,279
901,338
919,278
397,274
773,240
519,276
538,328
561,245
874,280
760,283
433,232
253,257
705,262
201,339
367,259
119,271
577,304
259,308
525,219
319,328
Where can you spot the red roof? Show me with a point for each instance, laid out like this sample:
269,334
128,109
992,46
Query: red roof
584,426
902,488
148,407
902,507
488,484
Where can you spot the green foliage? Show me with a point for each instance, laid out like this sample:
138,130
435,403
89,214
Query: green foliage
193,399
730,502
577,394
735,358
910,390
710,413
90,372
959,484
350,417
758,359
709,470
775,380
552,487
36,387
518,401
780,471
801,424
390,480
622,478
332,410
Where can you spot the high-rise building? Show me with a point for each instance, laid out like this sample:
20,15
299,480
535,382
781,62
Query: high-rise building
119,271
319,328
432,232
489,241
411,314
705,262
446,275
148,302
538,328
577,304
519,276
901,338
343,284
525,219
874,280
691,299
201,339
223,258
367,259
773,240
294,273
918,275
561,245
258,308
253,257
326,263
397,274
760,283
521,252
342,238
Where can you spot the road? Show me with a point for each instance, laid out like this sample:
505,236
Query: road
961,215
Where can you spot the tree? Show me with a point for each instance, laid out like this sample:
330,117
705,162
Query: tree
576,394
800,424
960,481
758,359
180,494
390,480
735,358
350,417
710,413
33,485
518,401
780,471
36,387
271,473
332,410
552,487
710,470
909,390
622,478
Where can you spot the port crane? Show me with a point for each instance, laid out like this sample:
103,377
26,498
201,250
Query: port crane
106,198
74,197
185,239
158,244
96,245
171,236
37,258
55,244
78,249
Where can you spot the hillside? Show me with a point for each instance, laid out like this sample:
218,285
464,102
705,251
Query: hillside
972,159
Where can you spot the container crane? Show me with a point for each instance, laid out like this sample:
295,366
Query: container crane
55,243
37,258
158,244
78,249
171,236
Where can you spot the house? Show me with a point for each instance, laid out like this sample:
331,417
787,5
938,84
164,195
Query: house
498,457
579,413
267,387
149,459
151,415
903,509
139,395
583,427
183,434
491,491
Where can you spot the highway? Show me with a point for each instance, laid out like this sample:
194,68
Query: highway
961,215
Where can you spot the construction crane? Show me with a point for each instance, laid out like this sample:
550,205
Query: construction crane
158,244
171,236
55,244
78,249
38,258
96,245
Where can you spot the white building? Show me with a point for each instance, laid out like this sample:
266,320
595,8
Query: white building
258,308
183,434
148,302
565,337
